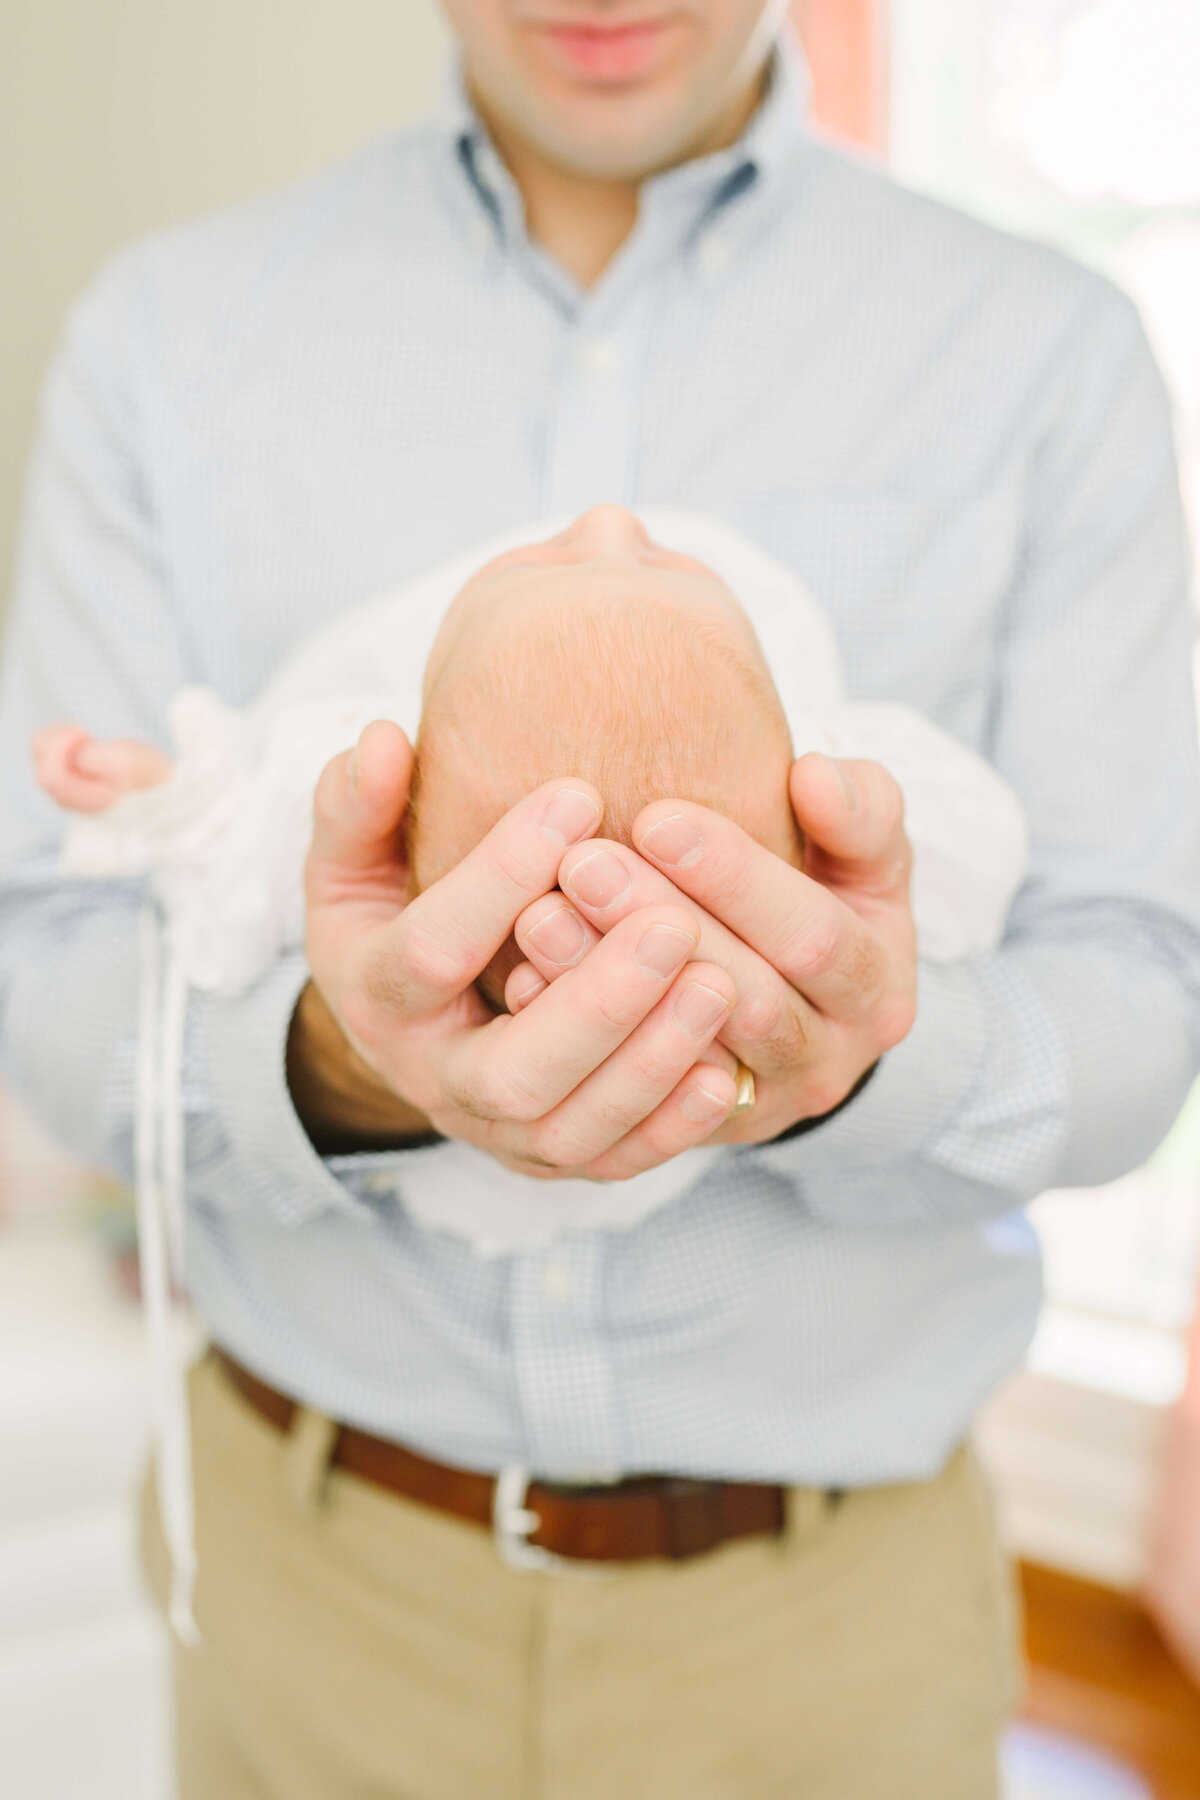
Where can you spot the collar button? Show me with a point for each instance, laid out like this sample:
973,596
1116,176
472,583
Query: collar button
714,253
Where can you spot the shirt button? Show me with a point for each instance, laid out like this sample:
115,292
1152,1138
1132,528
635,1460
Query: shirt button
714,253
380,1184
556,1281
600,356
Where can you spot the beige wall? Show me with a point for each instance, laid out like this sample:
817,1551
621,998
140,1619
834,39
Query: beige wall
120,116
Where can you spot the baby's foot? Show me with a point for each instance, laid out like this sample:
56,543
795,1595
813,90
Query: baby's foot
86,776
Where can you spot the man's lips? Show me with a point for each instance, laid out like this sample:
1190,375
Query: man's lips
607,52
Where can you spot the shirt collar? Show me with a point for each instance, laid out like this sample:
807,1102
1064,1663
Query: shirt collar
691,193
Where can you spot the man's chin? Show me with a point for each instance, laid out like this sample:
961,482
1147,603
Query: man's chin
610,139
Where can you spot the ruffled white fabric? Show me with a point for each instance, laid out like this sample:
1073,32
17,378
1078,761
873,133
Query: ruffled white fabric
457,1188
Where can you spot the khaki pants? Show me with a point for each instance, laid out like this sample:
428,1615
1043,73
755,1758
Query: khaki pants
361,1647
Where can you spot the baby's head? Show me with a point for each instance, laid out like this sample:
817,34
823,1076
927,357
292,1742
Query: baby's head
595,655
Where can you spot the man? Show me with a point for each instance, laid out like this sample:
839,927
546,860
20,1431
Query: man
619,271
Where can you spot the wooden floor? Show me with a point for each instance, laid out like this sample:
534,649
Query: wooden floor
1100,1672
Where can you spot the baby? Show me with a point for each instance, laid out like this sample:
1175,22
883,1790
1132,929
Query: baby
645,691
595,653
655,694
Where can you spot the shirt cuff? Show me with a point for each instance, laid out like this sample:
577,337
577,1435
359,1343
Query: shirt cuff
917,1088
243,1045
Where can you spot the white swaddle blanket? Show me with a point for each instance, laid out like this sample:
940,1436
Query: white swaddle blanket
225,836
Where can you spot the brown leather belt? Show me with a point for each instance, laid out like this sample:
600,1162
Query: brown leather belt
537,1521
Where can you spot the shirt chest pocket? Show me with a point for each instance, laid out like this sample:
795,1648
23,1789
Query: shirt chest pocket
913,585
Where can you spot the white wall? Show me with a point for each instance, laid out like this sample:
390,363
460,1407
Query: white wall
120,116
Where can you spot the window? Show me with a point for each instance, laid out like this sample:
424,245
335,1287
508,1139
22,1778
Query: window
1075,121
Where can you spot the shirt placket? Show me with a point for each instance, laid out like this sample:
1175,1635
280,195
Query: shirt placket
591,444
562,1353
561,1360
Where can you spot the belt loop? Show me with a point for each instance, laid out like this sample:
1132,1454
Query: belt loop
308,1451
804,1509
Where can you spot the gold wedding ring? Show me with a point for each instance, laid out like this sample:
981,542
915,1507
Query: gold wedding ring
747,1093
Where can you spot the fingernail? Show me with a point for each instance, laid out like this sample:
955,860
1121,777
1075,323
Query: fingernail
569,816
599,879
559,937
520,995
698,1009
673,841
663,949
843,780
700,1106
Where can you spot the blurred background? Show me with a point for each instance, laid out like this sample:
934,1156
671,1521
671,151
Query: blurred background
1075,121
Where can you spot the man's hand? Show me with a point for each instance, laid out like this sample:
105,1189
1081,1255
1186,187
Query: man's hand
824,962
598,1074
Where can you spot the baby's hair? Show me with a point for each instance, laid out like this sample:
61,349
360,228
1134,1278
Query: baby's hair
646,700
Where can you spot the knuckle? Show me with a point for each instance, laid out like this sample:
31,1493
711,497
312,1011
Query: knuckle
427,962
611,1007
758,1012
823,1093
815,945
466,1097
773,1022
510,1146
869,964
730,882
384,988
519,868
631,1155
895,1019
552,1144
499,1090
612,1168
863,973
535,1167
652,1075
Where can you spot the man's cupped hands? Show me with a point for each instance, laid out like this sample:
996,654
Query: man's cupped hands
647,970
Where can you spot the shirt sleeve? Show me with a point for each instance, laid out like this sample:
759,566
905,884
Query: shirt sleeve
1061,1058
95,637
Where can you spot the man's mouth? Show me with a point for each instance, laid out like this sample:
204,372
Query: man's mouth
613,53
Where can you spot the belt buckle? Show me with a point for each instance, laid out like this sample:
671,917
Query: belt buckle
513,1524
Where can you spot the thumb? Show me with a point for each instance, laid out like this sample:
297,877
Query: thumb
358,806
852,815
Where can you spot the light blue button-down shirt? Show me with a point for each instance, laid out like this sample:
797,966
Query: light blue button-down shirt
960,443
